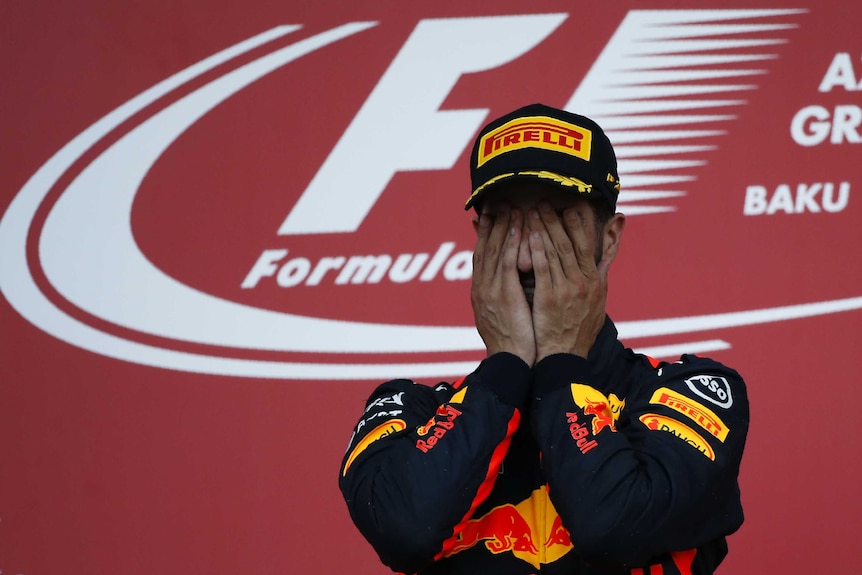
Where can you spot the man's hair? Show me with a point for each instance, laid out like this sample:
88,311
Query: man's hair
603,211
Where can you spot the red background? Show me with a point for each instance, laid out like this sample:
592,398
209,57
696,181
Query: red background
108,466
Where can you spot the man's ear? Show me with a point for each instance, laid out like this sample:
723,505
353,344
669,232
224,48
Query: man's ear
476,224
612,236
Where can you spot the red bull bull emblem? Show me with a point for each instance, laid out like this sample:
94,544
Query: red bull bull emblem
604,412
531,530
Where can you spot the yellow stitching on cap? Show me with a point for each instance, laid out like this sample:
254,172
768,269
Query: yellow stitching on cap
566,181
486,184
582,186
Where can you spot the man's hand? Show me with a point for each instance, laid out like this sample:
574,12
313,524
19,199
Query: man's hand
499,305
571,290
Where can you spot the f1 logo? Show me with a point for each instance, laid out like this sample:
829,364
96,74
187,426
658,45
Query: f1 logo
633,87
400,127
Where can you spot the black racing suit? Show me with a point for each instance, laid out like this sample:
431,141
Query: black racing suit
611,464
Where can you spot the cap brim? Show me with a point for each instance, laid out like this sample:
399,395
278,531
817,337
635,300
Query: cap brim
565,182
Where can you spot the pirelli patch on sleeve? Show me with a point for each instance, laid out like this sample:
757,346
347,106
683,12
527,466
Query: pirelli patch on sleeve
695,411
681,431
385,429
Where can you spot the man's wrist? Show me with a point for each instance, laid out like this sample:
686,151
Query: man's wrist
554,350
507,375
559,370
528,356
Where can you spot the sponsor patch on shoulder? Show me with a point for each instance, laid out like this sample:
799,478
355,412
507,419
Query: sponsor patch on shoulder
712,388
383,430
679,430
700,414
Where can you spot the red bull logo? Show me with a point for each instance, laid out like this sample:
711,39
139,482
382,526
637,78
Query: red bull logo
532,530
604,410
437,428
602,416
441,422
444,411
502,529
559,535
580,433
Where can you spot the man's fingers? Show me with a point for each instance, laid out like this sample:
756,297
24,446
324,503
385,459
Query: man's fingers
483,230
497,238
493,230
549,249
499,305
579,224
539,258
509,256
506,274
563,245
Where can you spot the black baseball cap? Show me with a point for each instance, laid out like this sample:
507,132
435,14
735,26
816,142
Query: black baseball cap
548,144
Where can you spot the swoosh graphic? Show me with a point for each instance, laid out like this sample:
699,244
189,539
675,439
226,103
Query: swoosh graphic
694,323
658,80
90,256
19,288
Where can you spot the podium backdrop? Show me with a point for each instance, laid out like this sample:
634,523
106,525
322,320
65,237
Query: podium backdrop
224,223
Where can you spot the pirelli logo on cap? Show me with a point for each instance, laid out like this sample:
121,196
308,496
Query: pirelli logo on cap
536,132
